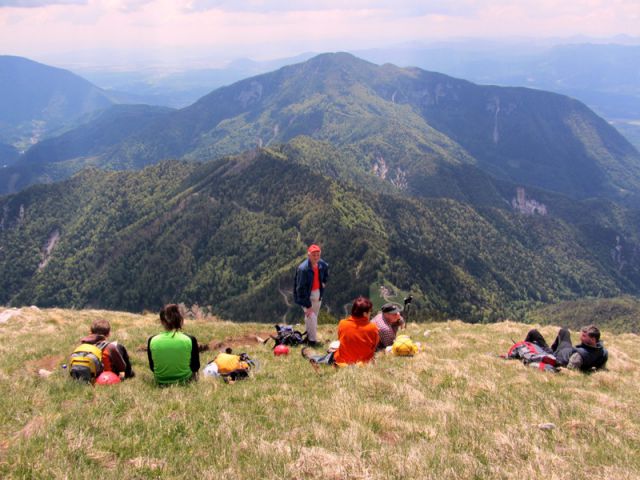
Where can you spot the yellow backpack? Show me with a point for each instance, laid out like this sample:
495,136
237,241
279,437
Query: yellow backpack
228,363
404,346
85,363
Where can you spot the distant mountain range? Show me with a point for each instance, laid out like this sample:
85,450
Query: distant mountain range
177,89
605,76
37,99
8,154
405,122
61,156
481,201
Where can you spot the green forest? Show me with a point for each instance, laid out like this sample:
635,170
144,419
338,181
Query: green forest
229,233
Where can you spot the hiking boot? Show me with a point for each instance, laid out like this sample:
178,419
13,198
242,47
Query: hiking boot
306,354
313,343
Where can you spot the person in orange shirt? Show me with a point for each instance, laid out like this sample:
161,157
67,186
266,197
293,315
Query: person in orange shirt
358,338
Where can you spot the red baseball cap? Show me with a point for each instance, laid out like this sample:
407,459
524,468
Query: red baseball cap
313,248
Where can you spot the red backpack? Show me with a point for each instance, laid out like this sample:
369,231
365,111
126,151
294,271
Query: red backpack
531,353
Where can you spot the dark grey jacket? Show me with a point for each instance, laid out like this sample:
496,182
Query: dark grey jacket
592,357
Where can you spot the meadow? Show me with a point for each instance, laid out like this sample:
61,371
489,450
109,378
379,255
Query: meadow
454,411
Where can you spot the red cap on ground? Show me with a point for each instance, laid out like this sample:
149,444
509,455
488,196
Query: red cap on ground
313,248
281,350
107,378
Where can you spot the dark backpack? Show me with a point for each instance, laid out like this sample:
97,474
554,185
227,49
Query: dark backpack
286,335
530,353
85,363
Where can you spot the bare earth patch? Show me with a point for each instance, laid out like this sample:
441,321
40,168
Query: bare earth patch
241,341
30,429
50,363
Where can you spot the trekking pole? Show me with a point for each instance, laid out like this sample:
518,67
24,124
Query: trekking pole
407,305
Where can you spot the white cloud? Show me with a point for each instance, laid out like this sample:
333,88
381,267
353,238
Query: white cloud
404,7
39,3
273,28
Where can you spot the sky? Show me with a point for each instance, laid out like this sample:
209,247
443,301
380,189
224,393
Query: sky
219,30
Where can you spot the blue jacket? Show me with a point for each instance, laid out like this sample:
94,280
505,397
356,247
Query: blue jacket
304,280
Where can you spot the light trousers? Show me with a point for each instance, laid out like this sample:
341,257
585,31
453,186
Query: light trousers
311,320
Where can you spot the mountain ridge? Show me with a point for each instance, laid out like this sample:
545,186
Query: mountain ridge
414,120
38,99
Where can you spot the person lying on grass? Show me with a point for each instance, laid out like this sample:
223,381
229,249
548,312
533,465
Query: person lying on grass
588,355
358,338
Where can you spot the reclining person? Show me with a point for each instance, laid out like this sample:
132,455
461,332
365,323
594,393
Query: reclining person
588,355
115,357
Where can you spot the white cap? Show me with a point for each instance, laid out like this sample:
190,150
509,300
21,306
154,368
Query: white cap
211,370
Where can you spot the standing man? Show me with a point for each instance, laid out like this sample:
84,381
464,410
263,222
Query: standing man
311,278
388,322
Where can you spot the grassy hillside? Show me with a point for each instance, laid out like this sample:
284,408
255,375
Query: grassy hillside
454,411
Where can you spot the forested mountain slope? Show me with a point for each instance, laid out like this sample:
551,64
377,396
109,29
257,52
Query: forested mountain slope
61,156
228,233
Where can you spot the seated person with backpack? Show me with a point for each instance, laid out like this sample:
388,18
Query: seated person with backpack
173,355
388,322
97,354
358,338
588,355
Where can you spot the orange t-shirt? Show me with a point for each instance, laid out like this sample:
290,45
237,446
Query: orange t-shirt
358,340
316,278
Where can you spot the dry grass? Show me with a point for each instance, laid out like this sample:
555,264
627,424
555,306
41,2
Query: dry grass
455,411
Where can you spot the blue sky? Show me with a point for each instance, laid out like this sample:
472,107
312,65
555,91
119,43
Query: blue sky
222,29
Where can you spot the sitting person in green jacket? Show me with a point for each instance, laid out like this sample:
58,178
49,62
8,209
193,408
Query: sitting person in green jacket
173,355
